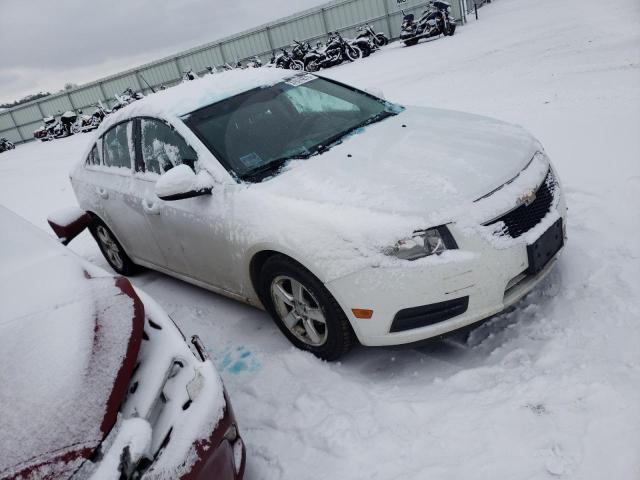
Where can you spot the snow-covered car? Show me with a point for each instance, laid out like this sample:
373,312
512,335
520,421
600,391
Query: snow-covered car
347,217
97,381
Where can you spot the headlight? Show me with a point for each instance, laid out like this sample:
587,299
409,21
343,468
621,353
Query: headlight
423,243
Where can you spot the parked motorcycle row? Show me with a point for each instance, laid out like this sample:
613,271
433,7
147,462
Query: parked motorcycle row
336,51
72,122
6,145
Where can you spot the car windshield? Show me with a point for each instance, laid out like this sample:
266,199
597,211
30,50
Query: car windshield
255,133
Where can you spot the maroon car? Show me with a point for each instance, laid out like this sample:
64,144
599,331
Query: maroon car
96,379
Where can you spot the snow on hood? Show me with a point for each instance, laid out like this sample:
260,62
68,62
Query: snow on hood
422,168
418,162
63,338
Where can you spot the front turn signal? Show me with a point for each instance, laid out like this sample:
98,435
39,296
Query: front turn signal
362,313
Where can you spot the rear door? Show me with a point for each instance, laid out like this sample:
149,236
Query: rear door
118,189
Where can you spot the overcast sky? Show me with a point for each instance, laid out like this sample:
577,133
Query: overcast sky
46,43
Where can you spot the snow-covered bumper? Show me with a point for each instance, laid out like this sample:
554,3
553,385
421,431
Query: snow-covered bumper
176,420
413,301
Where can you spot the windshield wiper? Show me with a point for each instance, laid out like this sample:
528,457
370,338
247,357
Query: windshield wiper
331,141
272,166
276,164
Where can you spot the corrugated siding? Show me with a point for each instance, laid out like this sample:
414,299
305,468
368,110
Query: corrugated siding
5,122
28,129
117,85
12,135
308,26
55,105
199,61
27,114
86,96
311,25
161,73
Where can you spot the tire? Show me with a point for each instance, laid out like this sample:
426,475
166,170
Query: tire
353,53
381,40
110,247
312,67
296,65
451,29
330,335
366,50
411,43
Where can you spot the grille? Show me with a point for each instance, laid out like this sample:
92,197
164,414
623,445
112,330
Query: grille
525,217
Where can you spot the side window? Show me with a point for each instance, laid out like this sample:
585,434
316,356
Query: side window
309,100
94,156
118,146
163,148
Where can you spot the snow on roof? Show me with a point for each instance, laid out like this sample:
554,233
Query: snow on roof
189,96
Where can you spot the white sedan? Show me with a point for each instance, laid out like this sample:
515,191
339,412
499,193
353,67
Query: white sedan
345,216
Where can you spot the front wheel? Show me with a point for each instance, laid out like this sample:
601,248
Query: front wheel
296,65
353,53
312,66
304,310
381,40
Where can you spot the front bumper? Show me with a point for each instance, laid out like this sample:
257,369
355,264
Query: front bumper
487,278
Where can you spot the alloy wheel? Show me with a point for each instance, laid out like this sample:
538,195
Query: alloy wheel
299,310
111,248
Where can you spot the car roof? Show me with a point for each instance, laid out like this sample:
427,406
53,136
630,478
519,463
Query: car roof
195,94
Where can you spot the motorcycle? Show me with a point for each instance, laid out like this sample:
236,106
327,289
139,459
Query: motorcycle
6,145
285,60
300,50
83,124
364,43
379,38
46,131
99,113
64,128
375,40
189,75
336,51
435,20
125,98
346,51
255,62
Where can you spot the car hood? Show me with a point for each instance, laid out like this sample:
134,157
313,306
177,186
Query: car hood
420,161
68,344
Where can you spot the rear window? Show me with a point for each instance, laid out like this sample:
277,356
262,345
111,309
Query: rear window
94,156
118,146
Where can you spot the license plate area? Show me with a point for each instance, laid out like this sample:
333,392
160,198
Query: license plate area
543,249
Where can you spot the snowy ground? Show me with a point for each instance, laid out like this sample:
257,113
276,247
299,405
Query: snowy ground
549,390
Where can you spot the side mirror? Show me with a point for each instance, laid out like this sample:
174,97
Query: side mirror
181,182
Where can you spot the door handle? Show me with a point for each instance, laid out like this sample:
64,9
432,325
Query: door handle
104,193
150,208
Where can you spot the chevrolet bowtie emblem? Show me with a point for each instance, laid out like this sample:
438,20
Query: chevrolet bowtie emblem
527,198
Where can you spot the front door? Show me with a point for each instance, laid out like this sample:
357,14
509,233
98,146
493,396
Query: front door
190,232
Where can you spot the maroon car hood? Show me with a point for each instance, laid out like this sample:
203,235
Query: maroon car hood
68,346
